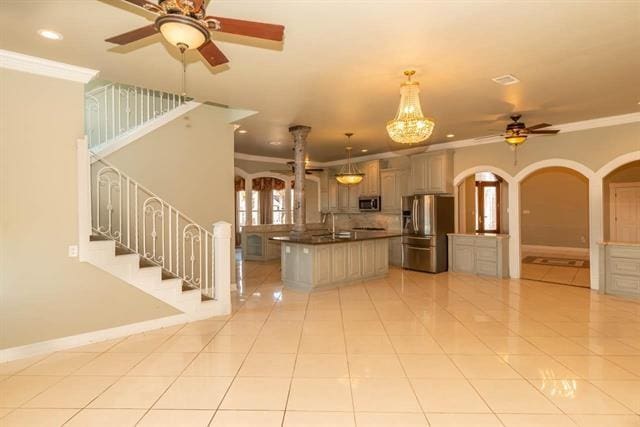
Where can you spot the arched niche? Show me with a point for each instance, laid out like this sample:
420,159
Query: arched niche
482,201
620,195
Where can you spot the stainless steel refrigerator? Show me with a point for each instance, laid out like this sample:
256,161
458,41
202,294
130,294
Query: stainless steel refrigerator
426,220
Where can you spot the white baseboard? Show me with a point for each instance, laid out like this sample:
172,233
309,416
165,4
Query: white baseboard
554,250
64,343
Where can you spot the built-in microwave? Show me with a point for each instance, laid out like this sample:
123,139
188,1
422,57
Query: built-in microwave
369,203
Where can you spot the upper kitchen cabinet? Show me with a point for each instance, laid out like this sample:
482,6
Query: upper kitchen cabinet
370,185
394,183
432,172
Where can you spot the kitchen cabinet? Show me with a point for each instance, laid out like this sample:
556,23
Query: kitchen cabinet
395,251
432,172
483,254
332,193
620,268
394,183
370,185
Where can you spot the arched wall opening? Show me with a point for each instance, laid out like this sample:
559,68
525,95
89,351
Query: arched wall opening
554,226
482,203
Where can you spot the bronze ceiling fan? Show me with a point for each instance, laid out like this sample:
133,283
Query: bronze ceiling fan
184,24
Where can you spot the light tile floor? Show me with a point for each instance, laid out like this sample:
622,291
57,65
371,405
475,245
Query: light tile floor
410,350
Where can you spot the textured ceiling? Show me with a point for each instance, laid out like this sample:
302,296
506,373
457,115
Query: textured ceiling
341,63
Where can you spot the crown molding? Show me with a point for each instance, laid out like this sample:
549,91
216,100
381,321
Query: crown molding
621,119
45,67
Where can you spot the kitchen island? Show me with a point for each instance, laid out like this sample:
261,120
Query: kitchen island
331,260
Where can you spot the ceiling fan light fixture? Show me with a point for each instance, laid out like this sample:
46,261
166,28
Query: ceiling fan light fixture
410,126
182,31
515,139
349,174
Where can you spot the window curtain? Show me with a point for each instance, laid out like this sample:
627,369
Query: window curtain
265,187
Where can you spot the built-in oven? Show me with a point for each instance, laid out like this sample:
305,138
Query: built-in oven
369,203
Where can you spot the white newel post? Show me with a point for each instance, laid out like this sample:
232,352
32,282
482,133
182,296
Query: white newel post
84,197
222,264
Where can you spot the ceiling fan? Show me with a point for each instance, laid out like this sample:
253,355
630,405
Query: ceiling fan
184,24
516,133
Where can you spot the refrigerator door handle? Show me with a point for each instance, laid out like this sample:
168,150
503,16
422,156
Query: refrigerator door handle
415,216
417,248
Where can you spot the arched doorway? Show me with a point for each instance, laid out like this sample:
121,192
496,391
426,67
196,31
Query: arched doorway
621,204
482,203
554,226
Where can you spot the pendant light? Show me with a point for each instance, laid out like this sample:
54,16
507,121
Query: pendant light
349,174
409,126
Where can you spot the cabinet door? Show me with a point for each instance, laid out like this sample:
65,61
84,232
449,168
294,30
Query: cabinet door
254,245
395,251
368,258
463,258
381,256
418,176
354,263
388,192
339,270
438,172
373,170
323,264
354,195
332,193
343,197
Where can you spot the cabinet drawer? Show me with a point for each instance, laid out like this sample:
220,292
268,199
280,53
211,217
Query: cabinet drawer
625,266
487,254
463,240
624,284
486,243
488,268
624,252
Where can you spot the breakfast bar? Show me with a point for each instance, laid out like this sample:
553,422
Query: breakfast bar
331,260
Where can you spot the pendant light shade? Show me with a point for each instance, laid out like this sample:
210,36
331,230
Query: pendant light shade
409,126
349,174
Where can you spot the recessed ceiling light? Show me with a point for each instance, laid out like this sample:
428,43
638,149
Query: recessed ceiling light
364,150
51,35
243,131
450,135
506,80
275,143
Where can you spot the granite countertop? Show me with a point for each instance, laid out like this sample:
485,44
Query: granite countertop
497,235
326,239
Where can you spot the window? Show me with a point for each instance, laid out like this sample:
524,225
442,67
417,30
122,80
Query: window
255,207
487,203
279,206
241,209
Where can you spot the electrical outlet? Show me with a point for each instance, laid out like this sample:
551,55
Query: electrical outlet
287,249
305,251
73,251
526,212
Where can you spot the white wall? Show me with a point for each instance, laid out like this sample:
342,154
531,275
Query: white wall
44,294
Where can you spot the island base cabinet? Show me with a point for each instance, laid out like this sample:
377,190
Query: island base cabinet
309,267
620,269
486,255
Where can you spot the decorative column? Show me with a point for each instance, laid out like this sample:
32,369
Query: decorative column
299,147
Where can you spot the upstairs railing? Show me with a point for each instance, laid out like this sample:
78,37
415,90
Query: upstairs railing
140,221
114,110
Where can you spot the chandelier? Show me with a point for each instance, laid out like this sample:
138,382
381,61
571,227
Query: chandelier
409,125
349,174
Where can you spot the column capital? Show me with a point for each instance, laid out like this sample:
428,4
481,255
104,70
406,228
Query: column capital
299,131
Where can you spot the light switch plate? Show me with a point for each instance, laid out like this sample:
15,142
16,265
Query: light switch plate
287,249
73,251
305,251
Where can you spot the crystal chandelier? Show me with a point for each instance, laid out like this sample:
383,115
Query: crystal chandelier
349,174
409,125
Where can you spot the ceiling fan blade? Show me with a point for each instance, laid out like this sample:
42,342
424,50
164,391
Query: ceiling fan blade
539,126
141,3
134,35
249,28
543,132
212,54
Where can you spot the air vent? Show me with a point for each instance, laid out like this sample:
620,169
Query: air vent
506,80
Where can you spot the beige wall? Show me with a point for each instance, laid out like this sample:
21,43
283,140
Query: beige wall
555,208
627,173
44,293
189,163
593,148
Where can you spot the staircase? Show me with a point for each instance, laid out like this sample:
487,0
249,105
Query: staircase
117,114
131,232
